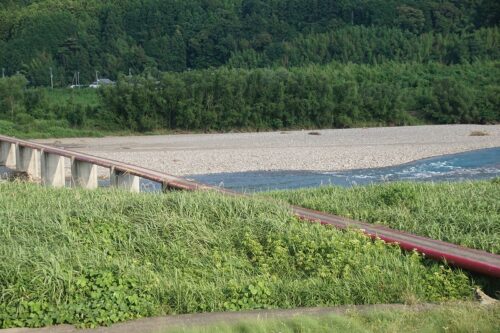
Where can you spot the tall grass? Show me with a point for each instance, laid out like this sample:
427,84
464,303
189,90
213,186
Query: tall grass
98,257
46,128
465,213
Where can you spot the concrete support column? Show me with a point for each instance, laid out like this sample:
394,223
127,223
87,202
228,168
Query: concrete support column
53,170
28,160
8,154
125,181
83,174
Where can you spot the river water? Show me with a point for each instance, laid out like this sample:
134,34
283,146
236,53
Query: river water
477,164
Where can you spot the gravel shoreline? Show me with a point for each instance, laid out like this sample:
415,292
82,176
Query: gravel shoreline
318,150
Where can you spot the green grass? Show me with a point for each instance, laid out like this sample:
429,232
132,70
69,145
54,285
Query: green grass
62,96
98,257
465,213
43,129
446,318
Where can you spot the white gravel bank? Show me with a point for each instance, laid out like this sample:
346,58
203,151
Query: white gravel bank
338,149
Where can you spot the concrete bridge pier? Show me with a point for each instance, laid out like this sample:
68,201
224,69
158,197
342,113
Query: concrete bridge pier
28,161
53,170
8,154
165,187
83,174
124,180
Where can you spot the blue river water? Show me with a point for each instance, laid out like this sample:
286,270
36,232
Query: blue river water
472,165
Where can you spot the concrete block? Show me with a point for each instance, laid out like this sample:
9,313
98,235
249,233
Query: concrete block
125,181
53,170
8,154
28,160
83,174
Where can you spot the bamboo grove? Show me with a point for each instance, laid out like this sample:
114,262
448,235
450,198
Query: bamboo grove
334,95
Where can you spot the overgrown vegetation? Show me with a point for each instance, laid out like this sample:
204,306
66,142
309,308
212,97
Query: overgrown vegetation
465,213
446,318
40,112
225,99
97,257
309,97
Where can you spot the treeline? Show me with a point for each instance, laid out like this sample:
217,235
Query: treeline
372,45
331,96
114,36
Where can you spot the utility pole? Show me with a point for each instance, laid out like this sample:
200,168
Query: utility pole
3,73
78,79
97,76
130,72
51,79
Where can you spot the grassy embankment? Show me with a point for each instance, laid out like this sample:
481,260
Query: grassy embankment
98,257
447,318
466,213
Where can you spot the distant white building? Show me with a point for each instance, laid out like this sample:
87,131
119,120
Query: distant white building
101,82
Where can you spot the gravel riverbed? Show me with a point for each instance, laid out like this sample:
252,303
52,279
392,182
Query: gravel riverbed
314,150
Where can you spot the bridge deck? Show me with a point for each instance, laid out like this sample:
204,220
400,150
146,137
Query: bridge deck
463,257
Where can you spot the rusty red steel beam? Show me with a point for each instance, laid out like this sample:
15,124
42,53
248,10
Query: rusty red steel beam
456,255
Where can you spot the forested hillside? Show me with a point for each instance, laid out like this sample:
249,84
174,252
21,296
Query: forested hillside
288,63
113,36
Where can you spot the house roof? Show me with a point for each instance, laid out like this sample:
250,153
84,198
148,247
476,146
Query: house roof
105,81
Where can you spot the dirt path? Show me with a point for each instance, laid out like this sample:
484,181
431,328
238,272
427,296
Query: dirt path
159,324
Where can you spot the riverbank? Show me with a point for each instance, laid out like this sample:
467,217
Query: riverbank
319,150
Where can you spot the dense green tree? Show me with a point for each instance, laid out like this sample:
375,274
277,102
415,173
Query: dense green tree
410,18
12,95
37,71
